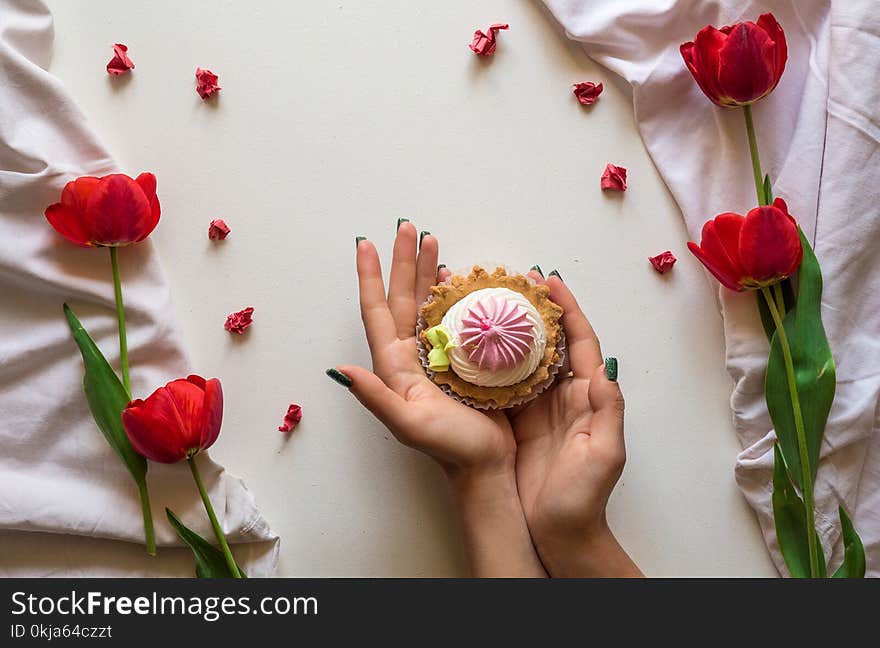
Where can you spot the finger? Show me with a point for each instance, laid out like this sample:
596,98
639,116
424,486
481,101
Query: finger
377,397
580,339
606,401
536,275
443,274
402,283
378,323
426,267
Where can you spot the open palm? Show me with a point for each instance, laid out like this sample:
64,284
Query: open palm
398,392
570,448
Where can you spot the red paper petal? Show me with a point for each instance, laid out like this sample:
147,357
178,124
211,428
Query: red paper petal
120,63
663,262
614,178
218,230
291,419
587,92
207,83
238,322
484,44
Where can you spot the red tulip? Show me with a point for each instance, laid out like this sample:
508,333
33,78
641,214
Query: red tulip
177,420
111,211
737,64
754,251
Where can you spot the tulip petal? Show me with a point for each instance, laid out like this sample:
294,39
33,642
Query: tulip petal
76,192
726,280
769,243
68,223
212,413
147,182
118,212
189,399
154,428
705,62
747,63
728,226
768,23
720,238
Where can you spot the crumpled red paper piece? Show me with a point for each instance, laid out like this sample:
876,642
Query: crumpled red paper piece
614,178
120,63
207,83
663,262
291,419
484,44
587,92
238,322
218,230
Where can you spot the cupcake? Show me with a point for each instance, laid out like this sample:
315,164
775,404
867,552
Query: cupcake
491,340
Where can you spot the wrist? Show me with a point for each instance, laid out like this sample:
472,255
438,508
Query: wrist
494,528
591,553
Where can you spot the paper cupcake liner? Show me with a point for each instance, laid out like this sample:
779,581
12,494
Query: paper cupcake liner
539,388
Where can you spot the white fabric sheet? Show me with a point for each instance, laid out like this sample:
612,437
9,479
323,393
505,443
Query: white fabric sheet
57,473
818,139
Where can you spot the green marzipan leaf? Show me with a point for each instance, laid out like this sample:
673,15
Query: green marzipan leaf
210,562
813,368
853,550
768,191
790,519
106,397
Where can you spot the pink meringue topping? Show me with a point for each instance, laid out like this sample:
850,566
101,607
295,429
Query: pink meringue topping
497,333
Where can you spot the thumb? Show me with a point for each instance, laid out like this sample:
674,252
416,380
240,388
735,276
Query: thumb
375,395
606,401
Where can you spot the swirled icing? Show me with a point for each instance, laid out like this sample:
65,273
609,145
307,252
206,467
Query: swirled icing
497,332
499,335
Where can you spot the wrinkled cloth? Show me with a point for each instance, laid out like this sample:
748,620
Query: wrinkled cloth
57,473
818,139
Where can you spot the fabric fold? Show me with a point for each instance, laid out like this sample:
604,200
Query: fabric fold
57,473
818,140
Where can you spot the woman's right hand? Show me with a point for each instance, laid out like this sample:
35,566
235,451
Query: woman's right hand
570,454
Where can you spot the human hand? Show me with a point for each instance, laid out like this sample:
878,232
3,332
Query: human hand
475,449
570,454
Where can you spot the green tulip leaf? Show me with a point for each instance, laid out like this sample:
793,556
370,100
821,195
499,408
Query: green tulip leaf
764,310
790,519
210,562
107,398
813,369
853,550
768,191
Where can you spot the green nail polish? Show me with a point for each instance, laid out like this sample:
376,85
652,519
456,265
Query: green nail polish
537,269
422,236
358,239
440,267
611,369
555,273
401,220
339,377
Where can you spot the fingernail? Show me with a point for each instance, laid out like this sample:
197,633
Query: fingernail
339,377
440,267
555,273
358,239
422,236
537,269
611,369
401,220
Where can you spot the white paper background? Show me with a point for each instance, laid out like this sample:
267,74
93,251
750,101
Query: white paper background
334,120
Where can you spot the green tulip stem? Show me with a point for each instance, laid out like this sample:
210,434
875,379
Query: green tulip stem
120,317
149,533
806,475
753,149
221,538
